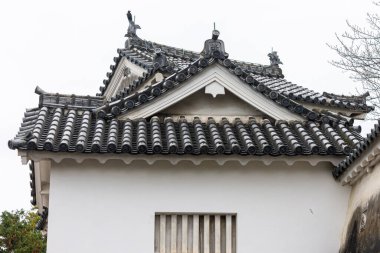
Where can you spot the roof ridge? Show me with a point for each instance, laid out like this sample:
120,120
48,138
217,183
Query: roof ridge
362,96
40,91
67,100
172,48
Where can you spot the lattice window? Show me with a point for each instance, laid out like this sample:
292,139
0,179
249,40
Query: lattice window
195,233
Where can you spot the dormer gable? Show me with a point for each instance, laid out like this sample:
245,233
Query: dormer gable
146,73
213,81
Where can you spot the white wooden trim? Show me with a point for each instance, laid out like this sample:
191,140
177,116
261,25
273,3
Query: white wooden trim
184,234
173,240
217,234
176,159
206,235
206,238
195,233
228,234
162,233
219,74
42,182
37,183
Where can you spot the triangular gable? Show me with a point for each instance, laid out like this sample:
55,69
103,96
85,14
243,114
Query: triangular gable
214,74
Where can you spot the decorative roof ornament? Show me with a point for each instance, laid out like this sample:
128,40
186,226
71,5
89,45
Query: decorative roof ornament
133,39
161,62
214,47
132,26
274,69
274,58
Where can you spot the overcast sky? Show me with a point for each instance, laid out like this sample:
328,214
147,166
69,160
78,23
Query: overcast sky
67,47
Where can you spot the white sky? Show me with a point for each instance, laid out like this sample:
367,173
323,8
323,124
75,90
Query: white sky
67,47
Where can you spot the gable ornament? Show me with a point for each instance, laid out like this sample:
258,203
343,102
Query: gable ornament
274,59
132,26
214,47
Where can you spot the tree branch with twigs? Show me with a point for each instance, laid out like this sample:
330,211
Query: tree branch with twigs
359,53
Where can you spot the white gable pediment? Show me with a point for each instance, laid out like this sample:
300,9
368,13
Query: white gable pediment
215,78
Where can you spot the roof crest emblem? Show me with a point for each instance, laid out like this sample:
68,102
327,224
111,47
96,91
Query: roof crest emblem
214,47
161,62
274,58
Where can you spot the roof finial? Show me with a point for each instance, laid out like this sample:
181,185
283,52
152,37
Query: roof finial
214,47
274,58
132,26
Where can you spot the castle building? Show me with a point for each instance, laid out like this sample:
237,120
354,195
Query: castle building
194,152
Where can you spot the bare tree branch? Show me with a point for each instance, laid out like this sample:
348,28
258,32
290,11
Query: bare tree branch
359,53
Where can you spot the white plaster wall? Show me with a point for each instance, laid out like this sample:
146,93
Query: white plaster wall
110,207
362,191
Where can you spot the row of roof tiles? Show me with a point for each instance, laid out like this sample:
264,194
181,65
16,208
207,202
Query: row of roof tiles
364,145
360,99
68,101
56,129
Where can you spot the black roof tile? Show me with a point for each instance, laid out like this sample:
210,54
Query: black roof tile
68,131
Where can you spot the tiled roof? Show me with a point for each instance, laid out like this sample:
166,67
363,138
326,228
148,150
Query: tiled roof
364,145
74,130
141,53
71,123
268,86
